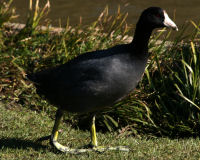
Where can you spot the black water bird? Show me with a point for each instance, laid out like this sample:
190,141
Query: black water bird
98,79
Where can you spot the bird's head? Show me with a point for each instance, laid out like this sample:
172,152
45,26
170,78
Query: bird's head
156,17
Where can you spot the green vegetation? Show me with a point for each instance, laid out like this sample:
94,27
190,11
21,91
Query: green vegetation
22,127
165,103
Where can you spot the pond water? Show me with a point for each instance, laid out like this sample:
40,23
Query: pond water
89,10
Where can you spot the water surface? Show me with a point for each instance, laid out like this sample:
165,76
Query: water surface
89,10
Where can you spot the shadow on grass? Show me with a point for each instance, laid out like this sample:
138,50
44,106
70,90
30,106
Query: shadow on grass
16,143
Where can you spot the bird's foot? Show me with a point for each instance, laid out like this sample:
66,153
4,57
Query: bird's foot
116,148
98,149
68,150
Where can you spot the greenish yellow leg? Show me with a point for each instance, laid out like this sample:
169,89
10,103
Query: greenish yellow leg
94,144
54,135
93,133
54,138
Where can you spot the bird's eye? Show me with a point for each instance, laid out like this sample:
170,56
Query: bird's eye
158,15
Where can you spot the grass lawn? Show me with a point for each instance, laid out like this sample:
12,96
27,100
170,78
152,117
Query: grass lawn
21,127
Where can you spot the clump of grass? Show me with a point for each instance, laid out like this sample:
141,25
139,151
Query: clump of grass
166,101
34,17
6,13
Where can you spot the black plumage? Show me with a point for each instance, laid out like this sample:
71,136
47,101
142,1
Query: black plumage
92,80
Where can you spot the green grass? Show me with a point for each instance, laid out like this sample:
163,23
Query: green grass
20,128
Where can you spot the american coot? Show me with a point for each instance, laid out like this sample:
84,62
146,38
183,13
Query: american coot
98,79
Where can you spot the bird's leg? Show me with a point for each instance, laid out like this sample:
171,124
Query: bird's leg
54,137
93,133
94,144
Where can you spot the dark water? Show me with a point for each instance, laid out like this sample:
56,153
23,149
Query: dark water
89,10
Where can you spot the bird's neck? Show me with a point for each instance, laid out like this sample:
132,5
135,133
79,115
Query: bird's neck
141,39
